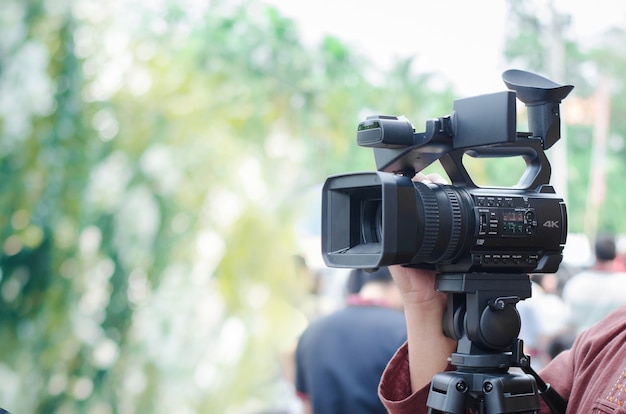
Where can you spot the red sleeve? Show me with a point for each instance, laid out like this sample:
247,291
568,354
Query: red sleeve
395,386
592,371
302,395
558,374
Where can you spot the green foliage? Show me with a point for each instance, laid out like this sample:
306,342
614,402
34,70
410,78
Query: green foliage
535,34
155,160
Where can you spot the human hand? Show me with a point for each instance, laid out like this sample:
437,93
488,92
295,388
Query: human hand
417,287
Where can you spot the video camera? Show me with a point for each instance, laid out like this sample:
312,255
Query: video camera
381,218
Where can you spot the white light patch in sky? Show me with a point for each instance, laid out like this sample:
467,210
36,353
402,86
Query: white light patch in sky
461,41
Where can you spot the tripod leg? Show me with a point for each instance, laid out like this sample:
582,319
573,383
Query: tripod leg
510,393
448,393
454,392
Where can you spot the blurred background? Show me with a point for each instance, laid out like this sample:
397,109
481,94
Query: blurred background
161,165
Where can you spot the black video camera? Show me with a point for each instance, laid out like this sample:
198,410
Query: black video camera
374,219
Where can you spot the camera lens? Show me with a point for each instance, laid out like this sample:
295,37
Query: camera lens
372,221
441,229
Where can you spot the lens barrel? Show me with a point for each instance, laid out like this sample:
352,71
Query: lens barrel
389,219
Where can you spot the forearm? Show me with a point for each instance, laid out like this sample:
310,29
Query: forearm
429,349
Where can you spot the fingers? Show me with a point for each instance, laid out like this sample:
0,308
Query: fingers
433,178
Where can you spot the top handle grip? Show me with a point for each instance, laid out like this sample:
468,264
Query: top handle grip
537,173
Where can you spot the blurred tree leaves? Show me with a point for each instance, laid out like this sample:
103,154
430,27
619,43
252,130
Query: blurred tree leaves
154,159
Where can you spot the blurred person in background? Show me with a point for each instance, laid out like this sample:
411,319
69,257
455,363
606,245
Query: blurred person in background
619,264
544,317
594,293
340,357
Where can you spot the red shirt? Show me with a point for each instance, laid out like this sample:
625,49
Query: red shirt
591,375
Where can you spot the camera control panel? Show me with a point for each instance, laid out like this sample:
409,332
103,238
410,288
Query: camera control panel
504,216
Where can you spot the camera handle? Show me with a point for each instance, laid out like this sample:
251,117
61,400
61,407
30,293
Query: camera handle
537,173
481,315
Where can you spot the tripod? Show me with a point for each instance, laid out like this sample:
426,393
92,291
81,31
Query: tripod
481,315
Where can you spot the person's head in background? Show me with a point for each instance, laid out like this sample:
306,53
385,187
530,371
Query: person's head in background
604,249
376,287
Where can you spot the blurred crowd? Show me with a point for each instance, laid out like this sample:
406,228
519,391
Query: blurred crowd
345,305
577,296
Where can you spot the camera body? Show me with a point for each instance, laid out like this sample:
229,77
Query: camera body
381,218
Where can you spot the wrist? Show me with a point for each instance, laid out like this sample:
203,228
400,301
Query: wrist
419,302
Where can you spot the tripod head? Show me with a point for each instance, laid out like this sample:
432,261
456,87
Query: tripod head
481,315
